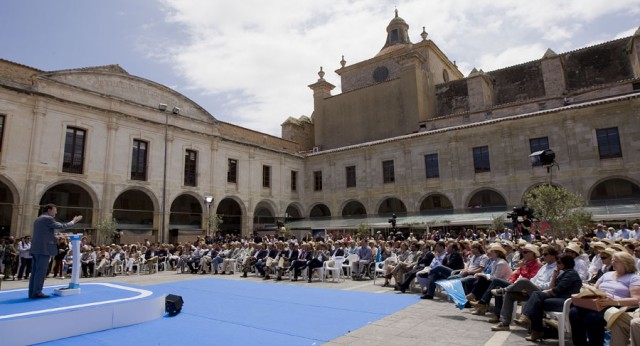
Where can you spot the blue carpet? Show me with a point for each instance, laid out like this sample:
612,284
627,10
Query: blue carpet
230,312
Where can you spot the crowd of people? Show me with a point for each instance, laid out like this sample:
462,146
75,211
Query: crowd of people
495,270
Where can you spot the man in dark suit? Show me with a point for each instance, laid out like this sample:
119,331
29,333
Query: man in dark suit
305,255
43,246
286,262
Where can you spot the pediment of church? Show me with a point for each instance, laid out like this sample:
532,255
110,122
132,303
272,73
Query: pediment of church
114,82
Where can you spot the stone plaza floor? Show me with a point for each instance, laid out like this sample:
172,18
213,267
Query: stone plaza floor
427,322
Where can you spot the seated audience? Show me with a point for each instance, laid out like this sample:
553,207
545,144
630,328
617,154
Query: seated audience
564,282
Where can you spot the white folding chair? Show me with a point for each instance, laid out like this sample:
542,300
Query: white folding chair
563,320
380,268
335,269
347,266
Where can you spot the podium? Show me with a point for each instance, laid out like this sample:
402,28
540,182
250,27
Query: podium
74,284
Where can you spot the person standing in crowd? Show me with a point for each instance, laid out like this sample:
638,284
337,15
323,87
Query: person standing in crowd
24,247
9,256
44,246
59,257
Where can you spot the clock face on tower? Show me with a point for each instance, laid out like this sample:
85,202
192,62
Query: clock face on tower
380,74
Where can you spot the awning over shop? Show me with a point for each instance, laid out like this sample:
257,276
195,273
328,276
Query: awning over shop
467,218
629,211
414,221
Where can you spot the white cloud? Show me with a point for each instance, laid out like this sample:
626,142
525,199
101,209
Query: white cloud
257,57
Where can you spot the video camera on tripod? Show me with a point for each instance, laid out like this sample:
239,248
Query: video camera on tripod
523,217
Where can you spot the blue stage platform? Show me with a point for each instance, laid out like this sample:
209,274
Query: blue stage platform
232,312
100,306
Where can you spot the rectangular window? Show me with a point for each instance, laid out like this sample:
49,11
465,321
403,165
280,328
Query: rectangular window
538,144
317,181
351,176
431,166
190,168
73,150
232,171
609,143
294,181
1,129
481,159
139,160
266,176
388,174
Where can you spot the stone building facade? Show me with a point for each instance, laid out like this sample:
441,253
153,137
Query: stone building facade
422,139
408,134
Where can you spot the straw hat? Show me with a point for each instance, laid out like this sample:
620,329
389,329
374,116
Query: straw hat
497,247
618,247
608,251
522,242
598,245
574,247
606,241
508,243
532,248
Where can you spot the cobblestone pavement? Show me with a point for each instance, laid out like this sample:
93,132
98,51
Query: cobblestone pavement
427,322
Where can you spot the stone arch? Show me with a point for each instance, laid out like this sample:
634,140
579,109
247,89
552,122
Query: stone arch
186,212
353,208
231,209
71,198
294,211
264,213
9,197
134,209
486,198
614,189
319,210
435,202
392,205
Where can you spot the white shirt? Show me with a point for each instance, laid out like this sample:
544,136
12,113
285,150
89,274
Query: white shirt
542,279
582,267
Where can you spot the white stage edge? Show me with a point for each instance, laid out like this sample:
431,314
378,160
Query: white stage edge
31,327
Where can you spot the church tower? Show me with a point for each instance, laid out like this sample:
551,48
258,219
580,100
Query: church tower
386,96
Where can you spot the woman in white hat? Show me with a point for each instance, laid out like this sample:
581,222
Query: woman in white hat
500,269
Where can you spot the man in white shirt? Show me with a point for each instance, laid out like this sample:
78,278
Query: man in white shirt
24,247
596,262
522,289
635,232
623,232
582,261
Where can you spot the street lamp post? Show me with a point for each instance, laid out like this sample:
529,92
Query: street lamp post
209,201
163,107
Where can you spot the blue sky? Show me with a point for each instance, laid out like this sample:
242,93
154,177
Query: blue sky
249,62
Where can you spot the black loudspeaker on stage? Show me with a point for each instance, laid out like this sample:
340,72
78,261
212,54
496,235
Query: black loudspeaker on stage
173,304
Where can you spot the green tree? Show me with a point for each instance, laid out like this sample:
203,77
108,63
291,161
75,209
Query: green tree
497,223
106,231
559,207
214,222
363,232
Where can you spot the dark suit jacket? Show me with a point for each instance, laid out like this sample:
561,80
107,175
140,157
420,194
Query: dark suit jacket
567,283
454,261
293,255
262,254
150,254
44,241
